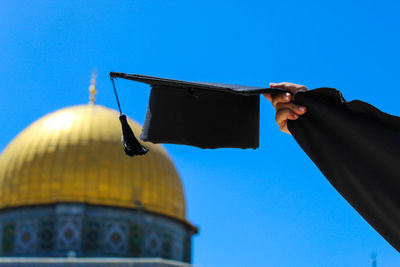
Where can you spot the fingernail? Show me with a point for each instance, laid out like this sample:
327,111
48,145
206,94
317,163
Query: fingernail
295,116
302,109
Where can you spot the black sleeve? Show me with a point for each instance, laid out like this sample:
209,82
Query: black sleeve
357,148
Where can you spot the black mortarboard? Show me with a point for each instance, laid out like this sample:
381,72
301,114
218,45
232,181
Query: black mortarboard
206,115
355,145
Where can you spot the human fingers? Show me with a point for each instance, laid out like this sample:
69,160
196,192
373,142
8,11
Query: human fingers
292,87
282,116
268,96
281,98
287,85
299,110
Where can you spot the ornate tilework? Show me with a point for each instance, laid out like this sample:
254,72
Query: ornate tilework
69,233
177,250
116,237
135,240
153,244
8,237
187,249
1,238
46,235
166,245
92,235
26,237
88,230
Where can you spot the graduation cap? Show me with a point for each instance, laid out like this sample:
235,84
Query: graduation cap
201,114
355,145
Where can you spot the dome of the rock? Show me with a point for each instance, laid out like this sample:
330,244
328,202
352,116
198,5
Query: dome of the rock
75,155
66,186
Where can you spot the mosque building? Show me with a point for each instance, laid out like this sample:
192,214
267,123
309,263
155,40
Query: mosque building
69,196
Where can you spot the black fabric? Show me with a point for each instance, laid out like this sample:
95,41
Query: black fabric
213,87
132,146
355,145
202,118
357,148
206,115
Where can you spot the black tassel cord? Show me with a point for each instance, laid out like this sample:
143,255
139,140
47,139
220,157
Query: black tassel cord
132,146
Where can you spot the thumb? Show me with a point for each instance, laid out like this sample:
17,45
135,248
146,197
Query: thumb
268,96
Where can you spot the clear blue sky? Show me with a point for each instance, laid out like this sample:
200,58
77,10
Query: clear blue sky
264,207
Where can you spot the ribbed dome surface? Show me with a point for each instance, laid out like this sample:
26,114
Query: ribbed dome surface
75,155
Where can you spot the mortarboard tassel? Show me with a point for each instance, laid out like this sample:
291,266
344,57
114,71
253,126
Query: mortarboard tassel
132,146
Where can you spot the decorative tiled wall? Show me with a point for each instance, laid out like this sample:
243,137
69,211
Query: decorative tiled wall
79,230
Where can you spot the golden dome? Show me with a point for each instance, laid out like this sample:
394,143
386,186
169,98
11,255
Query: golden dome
75,155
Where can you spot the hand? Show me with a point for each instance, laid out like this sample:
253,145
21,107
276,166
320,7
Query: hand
285,109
